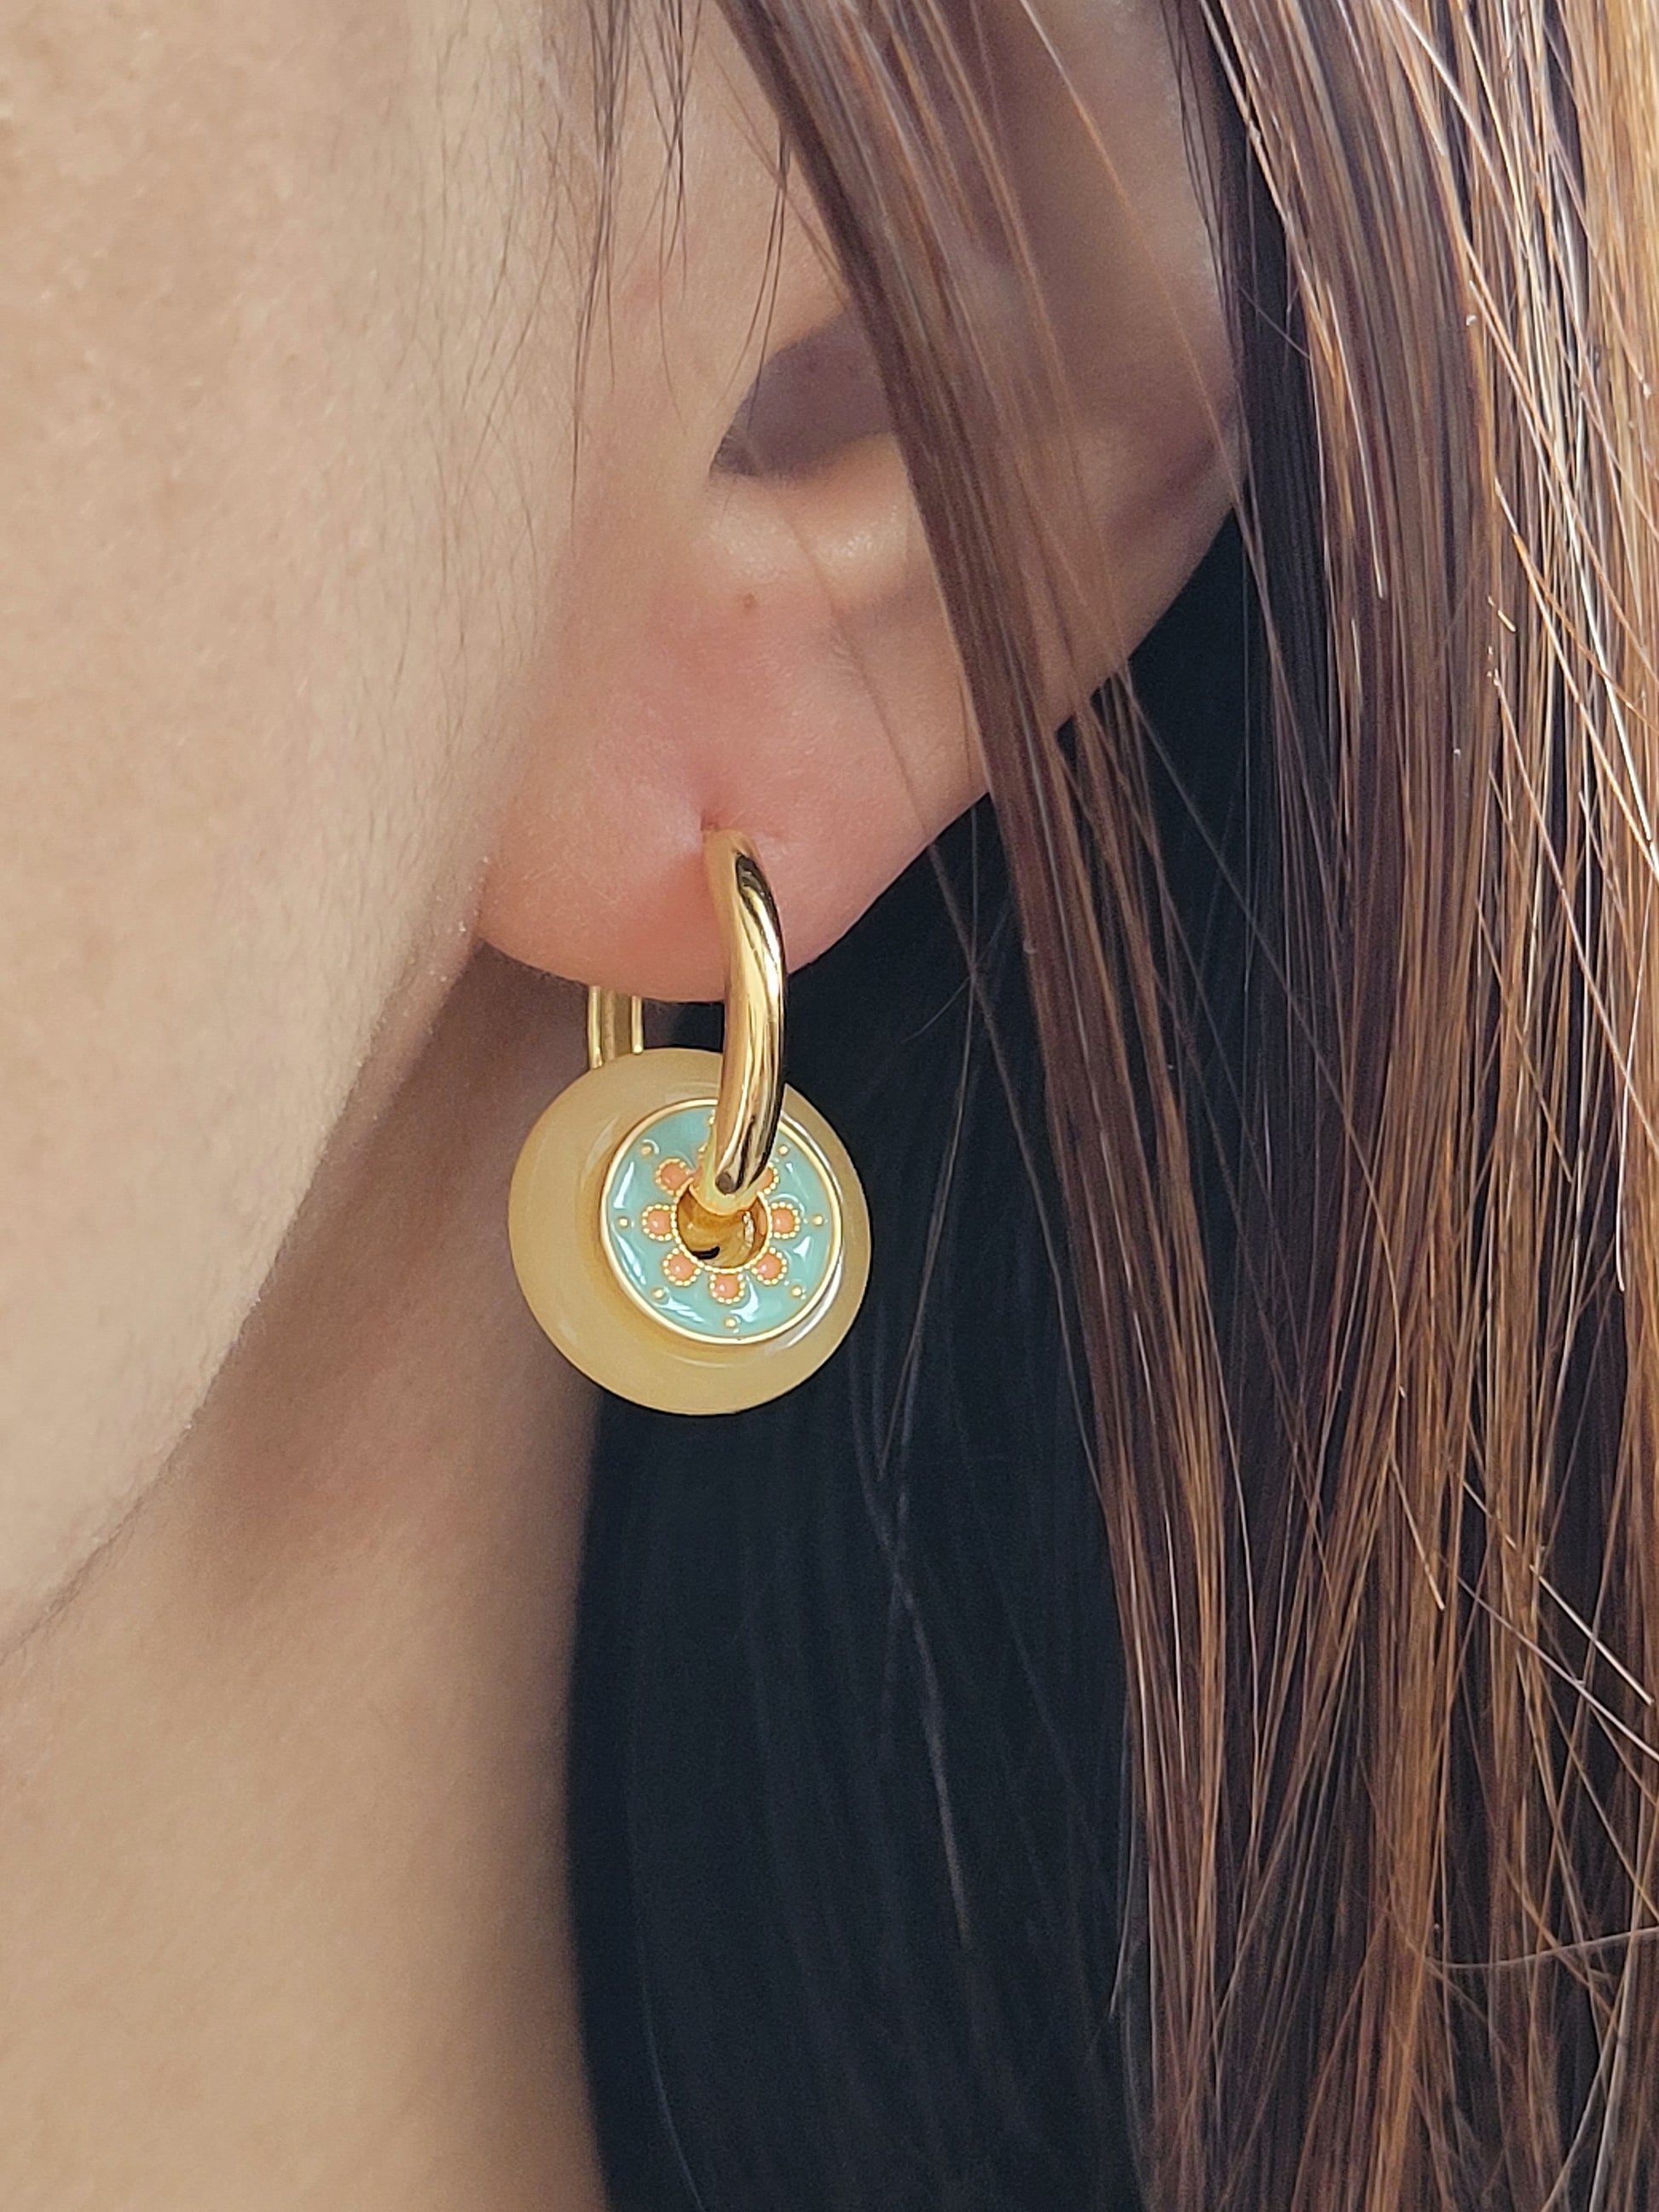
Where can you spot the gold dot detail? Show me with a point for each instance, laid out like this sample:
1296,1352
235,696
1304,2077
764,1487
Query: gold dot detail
648,1150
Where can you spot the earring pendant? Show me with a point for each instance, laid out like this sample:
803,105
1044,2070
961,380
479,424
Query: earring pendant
689,1231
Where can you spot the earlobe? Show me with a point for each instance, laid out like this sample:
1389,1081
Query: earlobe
790,673
808,650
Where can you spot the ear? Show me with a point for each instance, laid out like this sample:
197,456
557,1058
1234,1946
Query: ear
747,632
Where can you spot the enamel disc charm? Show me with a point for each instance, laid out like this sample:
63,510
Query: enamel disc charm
690,1233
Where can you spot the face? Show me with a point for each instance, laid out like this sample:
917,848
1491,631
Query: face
374,581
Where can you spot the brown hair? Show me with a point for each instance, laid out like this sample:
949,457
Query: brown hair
1383,1492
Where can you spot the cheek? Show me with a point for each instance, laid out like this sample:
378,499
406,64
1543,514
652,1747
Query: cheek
263,483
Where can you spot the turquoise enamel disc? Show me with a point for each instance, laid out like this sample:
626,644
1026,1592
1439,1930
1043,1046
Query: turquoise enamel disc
791,1256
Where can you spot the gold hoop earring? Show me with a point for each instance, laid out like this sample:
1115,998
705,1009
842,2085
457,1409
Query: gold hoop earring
690,1233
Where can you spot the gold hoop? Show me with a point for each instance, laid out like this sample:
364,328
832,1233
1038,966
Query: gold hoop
731,1172
616,1025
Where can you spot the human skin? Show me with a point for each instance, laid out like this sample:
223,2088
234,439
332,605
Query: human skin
324,670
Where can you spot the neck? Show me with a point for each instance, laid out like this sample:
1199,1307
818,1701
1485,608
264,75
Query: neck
281,1893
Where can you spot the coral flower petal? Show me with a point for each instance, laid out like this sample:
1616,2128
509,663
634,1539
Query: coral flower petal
726,1286
770,1268
785,1220
673,1175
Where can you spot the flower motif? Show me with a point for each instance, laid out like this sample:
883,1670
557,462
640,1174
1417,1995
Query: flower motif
748,1279
727,1285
